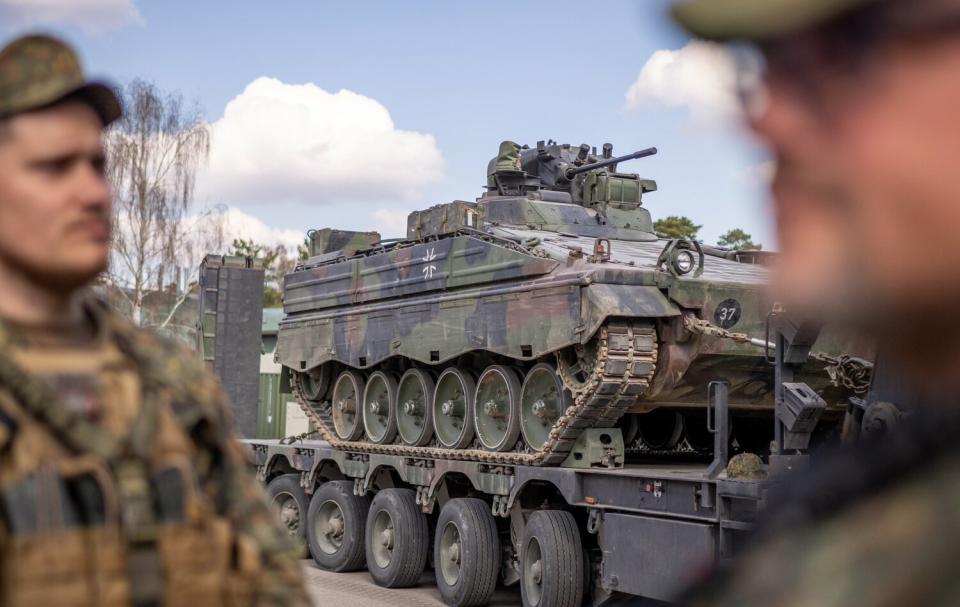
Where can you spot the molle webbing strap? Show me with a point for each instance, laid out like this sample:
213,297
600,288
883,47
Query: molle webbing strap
129,459
79,433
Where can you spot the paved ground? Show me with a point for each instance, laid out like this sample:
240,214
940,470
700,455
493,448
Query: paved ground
358,590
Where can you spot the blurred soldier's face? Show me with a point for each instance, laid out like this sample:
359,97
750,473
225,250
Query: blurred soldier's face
54,200
867,188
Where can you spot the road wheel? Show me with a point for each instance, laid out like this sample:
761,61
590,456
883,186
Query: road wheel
380,407
315,382
466,553
542,401
291,504
551,560
397,538
347,403
496,409
414,410
336,525
453,408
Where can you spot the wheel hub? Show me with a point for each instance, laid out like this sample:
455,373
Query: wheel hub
451,551
536,572
450,408
494,408
345,405
336,527
289,512
386,538
383,539
412,408
533,572
330,527
290,516
542,410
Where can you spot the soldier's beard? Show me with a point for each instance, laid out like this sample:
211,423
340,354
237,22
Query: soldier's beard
57,280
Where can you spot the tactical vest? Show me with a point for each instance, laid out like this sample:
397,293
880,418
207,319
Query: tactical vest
92,517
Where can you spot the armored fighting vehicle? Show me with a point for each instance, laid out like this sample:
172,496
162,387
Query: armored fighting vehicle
526,326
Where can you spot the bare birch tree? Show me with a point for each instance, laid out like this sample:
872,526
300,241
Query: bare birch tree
201,234
154,152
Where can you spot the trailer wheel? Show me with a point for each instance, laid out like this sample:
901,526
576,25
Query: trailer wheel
397,539
291,503
466,553
551,560
335,526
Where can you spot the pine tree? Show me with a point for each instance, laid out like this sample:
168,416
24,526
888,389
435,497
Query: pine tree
676,227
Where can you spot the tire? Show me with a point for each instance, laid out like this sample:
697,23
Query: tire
552,539
397,539
292,504
346,552
472,580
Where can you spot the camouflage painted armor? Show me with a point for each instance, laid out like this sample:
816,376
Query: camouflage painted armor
501,330
120,482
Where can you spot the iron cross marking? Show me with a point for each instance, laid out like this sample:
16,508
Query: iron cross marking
429,269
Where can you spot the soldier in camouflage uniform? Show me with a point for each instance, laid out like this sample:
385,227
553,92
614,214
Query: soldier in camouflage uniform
120,482
858,100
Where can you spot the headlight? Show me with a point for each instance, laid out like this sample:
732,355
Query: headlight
683,262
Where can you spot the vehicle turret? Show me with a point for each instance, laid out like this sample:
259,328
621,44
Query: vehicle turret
524,182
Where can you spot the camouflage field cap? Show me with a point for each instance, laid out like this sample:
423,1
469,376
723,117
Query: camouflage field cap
724,20
38,70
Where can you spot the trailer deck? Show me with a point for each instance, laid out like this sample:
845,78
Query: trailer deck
655,525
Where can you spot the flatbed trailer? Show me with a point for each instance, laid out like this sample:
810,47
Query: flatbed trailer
646,529
601,525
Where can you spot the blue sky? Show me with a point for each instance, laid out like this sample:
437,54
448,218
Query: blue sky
467,74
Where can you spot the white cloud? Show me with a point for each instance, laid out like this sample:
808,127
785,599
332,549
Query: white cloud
701,77
238,224
213,230
91,16
391,223
300,143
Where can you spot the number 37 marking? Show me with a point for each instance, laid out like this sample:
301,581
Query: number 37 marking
727,313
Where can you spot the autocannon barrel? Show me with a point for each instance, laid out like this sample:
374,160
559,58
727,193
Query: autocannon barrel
572,172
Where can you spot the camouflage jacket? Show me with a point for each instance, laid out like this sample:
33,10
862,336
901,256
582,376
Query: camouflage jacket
878,526
121,482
